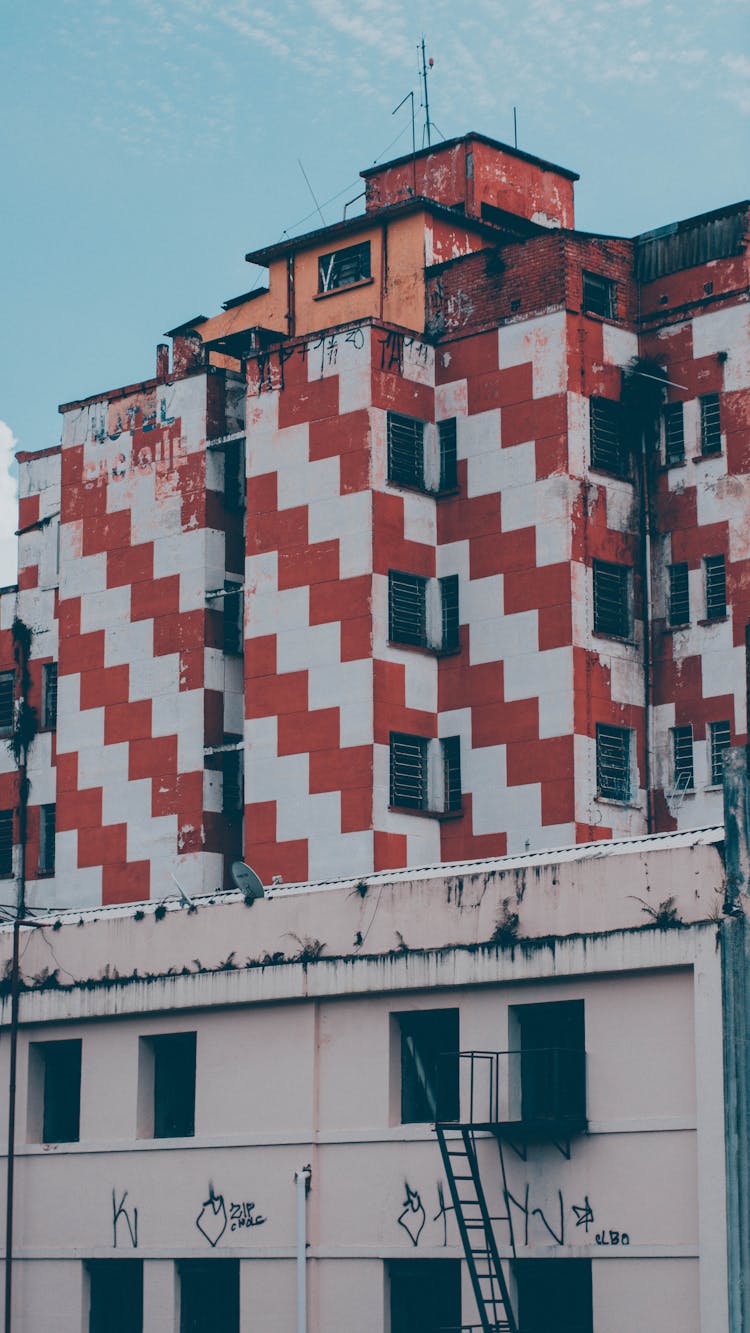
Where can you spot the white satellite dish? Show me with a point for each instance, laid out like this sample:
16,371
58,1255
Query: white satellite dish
246,880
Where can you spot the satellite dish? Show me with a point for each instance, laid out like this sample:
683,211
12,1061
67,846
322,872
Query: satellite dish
246,880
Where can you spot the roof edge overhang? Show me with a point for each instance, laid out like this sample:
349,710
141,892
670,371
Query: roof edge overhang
475,137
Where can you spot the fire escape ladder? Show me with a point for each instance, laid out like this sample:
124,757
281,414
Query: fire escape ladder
458,1151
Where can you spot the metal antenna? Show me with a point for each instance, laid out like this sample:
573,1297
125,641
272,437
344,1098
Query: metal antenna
413,131
310,188
515,127
426,103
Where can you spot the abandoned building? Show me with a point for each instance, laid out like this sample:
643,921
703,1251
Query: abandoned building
416,564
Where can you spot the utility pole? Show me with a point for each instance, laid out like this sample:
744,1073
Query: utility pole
426,102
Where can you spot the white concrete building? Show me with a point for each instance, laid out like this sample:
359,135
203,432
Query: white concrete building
182,1076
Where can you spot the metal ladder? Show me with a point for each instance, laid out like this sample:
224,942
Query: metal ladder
458,1151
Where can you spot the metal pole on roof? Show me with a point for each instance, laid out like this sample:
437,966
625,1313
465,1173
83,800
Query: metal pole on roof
426,95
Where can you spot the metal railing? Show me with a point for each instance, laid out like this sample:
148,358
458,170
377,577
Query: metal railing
521,1087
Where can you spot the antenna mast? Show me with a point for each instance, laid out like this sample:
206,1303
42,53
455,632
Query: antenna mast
426,102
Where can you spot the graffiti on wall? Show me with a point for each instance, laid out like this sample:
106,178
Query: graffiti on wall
322,354
128,1217
212,1220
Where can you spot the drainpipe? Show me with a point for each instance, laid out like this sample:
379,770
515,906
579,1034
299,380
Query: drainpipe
302,1181
648,636
13,1071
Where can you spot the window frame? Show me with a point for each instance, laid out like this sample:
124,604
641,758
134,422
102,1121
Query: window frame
399,581
49,695
440,1084
606,433
420,745
425,800
716,752
447,431
674,435
47,835
157,1090
99,1301
683,758
678,595
7,690
605,733
716,607
412,477
347,255
604,288
54,1101
7,820
608,571
710,424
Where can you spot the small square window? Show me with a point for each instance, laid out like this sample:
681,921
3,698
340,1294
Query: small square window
425,1295
720,740
447,441
716,586
47,839
49,695
683,774
342,268
547,1288
115,1295
166,1086
613,781
7,689
598,295
679,594
612,585
674,434
6,843
209,1295
710,424
608,452
407,608
406,451
429,1065
54,1091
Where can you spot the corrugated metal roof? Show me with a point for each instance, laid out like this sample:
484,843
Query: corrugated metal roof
687,244
586,851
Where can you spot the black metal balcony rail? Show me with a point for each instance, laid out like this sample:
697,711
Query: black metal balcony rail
513,1087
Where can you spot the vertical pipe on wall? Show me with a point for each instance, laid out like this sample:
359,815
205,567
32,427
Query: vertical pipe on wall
301,1180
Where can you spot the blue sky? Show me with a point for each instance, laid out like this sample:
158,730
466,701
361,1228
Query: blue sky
148,145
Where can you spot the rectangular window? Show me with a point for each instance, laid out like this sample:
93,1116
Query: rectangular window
679,595
716,587
451,639
608,452
720,740
406,451
115,1295
613,763
46,839
6,843
341,268
232,783
451,748
553,1061
7,689
409,771
209,1294
407,608
429,1065
234,476
54,1091
598,295
674,434
448,454
710,424
612,599
166,1086
425,1295
554,1294
233,628
49,695
682,758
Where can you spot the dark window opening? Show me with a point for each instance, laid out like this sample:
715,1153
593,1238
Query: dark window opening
710,424
232,783
553,1061
598,295
6,843
233,627
407,608
674,434
613,763
409,771
61,1089
449,605
716,587
451,748
7,689
720,740
448,454
429,1065
425,1295
682,758
554,1295
49,695
608,452
406,451
115,1295
340,268
174,1085
47,839
612,599
679,595
209,1296
234,476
